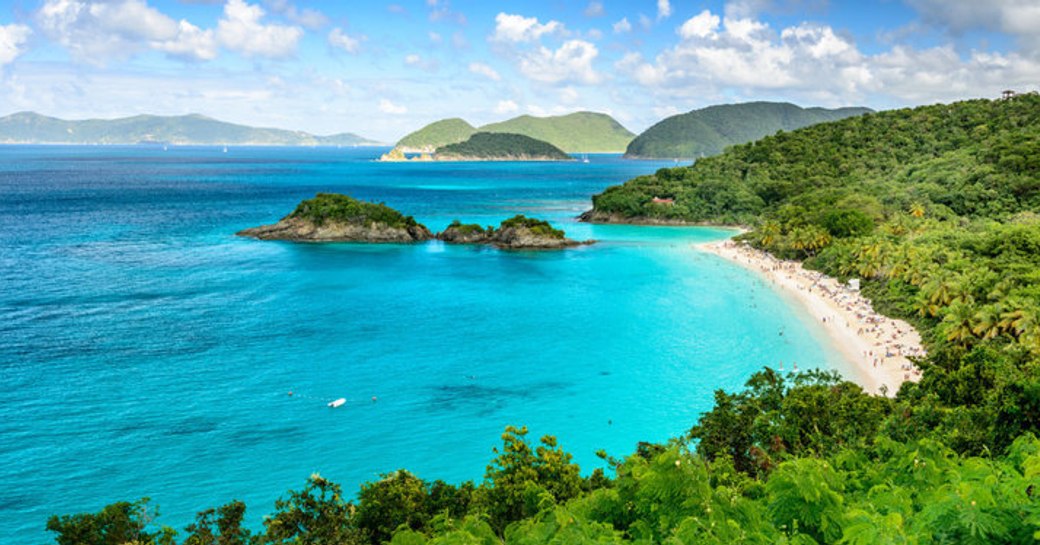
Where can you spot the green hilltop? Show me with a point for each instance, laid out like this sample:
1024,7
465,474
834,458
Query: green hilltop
501,147
437,134
579,132
194,129
708,131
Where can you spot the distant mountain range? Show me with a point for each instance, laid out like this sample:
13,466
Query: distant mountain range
579,132
33,128
710,130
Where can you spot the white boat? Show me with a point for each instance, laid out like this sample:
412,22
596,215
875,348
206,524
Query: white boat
338,402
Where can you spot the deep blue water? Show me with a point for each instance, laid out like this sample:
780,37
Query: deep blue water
147,351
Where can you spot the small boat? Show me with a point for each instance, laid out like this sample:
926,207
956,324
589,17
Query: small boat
337,403
584,158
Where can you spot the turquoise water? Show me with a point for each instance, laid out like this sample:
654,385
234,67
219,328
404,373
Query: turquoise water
147,351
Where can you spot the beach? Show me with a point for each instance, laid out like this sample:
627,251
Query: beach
877,348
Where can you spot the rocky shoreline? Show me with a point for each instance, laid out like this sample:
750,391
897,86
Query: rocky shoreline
301,230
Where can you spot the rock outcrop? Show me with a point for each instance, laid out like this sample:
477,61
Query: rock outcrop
339,218
517,233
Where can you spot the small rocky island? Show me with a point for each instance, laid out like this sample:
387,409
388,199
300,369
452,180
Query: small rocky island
331,217
518,232
486,146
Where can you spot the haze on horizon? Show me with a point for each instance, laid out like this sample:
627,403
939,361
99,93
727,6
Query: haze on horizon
382,70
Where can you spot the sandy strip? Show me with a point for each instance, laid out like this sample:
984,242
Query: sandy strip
875,346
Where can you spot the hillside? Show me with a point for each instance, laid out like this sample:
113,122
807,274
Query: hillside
484,146
436,134
580,132
706,132
32,128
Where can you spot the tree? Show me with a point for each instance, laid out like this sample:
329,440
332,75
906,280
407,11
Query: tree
116,524
225,530
316,515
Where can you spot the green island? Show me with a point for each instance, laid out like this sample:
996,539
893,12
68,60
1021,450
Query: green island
331,217
578,132
708,131
193,129
935,209
485,146
514,233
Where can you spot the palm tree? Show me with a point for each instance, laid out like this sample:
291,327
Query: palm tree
986,322
768,234
917,210
956,325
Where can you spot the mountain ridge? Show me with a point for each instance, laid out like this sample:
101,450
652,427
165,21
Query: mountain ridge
27,127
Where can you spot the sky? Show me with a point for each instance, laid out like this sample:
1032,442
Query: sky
382,70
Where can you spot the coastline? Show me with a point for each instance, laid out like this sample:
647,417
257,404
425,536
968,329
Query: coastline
874,346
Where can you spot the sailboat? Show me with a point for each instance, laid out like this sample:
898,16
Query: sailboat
584,158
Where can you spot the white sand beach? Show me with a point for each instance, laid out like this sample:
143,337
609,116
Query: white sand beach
876,347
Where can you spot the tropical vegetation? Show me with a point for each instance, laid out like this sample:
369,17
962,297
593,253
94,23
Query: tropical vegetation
437,134
501,146
708,131
936,210
337,208
578,132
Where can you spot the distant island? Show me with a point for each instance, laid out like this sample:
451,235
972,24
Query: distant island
332,217
708,131
194,129
484,146
579,132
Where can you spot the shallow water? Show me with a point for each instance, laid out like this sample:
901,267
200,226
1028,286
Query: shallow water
147,351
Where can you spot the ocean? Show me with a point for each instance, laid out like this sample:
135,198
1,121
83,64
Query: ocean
145,350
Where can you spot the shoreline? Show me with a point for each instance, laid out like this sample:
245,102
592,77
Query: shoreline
875,347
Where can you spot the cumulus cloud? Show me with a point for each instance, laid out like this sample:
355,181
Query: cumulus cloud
715,55
309,18
12,42
517,28
702,25
622,26
506,107
388,107
1020,18
97,31
339,39
484,70
572,62
241,30
664,9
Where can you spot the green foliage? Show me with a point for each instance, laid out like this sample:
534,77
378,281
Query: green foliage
536,226
225,529
116,524
466,228
708,131
336,208
437,134
502,146
316,515
579,132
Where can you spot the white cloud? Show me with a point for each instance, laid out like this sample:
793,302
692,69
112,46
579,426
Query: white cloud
569,95
388,107
664,9
12,42
594,9
517,28
341,40
594,34
98,31
307,17
571,62
484,70
746,57
702,25
1020,18
240,30
622,26
506,107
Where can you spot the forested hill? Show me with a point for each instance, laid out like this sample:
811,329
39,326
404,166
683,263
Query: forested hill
437,134
32,128
579,132
710,130
485,146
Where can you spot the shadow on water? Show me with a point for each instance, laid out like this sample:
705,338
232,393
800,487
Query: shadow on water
484,400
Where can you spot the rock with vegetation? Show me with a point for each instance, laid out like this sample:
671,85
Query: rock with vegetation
331,217
708,131
518,232
484,146
194,129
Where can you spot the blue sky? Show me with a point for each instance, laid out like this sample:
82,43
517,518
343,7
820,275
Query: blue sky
384,69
